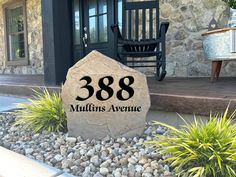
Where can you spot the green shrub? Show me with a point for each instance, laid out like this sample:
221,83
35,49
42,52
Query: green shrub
44,112
201,149
231,3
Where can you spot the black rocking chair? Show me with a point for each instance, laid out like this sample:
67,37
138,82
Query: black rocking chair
141,39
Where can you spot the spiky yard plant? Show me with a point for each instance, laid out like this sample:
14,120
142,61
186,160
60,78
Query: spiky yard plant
231,3
201,149
44,112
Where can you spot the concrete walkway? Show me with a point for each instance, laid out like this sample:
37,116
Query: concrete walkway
8,103
16,165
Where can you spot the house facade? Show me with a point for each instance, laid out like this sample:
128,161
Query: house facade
48,36
29,14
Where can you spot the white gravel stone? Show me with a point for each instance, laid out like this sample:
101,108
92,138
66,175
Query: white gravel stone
87,172
105,164
166,168
148,169
83,146
70,156
167,173
125,172
91,152
83,151
95,160
71,140
143,161
147,175
29,151
160,130
13,129
87,158
148,131
58,157
123,161
97,147
139,168
104,171
66,163
63,150
117,174
123,139
133,160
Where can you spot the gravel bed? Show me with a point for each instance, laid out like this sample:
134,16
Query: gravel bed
88,158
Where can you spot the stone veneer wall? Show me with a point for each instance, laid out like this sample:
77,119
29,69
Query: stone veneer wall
35,43
188,20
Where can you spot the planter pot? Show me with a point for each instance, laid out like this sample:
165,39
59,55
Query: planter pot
232,18
217,45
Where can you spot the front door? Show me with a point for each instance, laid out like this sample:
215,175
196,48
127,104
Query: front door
91,28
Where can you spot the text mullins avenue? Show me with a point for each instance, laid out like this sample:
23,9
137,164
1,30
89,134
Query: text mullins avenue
90,107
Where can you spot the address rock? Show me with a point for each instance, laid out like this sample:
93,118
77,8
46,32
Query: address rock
104,97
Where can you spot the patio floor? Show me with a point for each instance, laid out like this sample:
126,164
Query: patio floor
182,95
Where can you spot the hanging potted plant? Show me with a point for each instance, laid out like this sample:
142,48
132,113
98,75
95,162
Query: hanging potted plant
232,18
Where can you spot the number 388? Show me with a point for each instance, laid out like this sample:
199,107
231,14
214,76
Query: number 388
107,88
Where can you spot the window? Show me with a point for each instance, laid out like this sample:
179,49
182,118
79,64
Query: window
15,33
77,31
120,13
98,21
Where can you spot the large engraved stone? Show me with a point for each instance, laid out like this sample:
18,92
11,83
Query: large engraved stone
104,97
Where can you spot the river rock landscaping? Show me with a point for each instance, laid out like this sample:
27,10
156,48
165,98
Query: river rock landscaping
87,158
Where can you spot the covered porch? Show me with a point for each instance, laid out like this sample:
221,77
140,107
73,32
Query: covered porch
182,95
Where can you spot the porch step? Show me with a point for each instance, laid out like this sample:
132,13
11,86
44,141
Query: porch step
193,95
24,90
191,104
182,95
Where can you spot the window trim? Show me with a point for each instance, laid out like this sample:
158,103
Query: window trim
10,5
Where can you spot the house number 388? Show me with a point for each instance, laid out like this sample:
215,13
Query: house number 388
107,88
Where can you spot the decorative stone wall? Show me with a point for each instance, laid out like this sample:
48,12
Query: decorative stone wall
188,20
35,43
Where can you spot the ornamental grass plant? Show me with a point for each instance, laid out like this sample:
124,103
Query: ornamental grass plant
44,112
201,149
